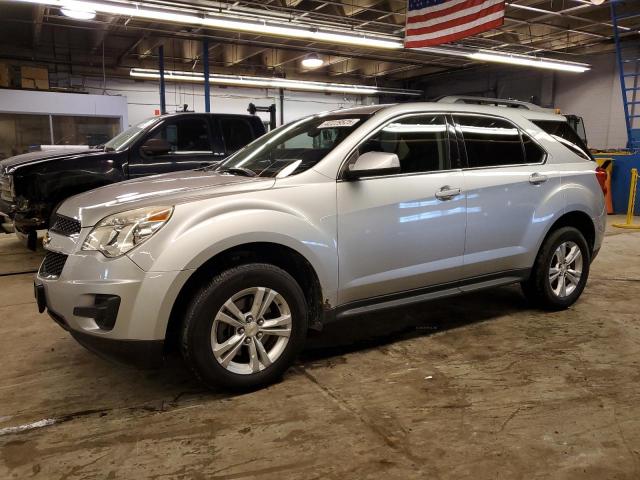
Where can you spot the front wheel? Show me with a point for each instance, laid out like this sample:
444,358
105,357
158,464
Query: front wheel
244,329
561,270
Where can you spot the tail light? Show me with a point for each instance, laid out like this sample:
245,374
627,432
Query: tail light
601,175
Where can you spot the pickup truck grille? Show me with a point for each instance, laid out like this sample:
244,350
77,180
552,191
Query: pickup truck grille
5,189
65,225
52,265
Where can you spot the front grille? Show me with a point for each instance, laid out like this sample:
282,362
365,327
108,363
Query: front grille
5,188
65,225
53,264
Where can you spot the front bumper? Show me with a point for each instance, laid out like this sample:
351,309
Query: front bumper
6,216
24,221
132,330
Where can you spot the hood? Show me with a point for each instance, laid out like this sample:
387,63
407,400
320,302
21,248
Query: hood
168,189
8,164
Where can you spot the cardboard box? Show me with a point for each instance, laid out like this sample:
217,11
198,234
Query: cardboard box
35,77
5,80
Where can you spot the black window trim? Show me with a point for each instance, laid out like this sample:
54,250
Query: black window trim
449,129
462,146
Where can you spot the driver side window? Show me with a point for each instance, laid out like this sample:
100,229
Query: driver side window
419,141
186,136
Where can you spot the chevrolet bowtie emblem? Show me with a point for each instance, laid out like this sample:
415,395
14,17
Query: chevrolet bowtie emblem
46,240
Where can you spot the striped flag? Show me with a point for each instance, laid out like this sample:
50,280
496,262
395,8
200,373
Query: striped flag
434,22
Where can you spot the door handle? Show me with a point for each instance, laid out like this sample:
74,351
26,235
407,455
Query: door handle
447,193
537,178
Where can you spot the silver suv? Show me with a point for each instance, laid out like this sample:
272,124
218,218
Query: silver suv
331,216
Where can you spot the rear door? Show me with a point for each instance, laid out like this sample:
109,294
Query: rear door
192,146
509,189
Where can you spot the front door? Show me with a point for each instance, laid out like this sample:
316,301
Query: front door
406,231
191,147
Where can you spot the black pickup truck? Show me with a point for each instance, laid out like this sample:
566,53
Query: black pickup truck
33,184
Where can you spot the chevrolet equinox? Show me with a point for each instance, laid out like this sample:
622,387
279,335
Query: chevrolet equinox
331,216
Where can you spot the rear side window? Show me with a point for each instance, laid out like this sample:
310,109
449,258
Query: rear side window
420,141
186,135
490,142
566,135
237,133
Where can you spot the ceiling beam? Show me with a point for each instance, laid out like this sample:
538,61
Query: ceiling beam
38,17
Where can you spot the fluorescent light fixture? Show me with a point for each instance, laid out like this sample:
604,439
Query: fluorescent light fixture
299,31
79,14
227,22
312,61
522,60
266,82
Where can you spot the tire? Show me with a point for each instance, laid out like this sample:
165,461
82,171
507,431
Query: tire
547,293
206,326
29,238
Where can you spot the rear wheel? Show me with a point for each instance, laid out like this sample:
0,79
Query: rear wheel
561,270
244,328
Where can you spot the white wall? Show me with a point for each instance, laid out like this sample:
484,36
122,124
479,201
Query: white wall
56,103
143,98
595,95
498,82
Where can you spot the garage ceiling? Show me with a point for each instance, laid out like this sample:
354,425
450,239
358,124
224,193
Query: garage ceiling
561,29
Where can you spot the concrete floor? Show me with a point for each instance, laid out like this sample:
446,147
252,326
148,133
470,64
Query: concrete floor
479,387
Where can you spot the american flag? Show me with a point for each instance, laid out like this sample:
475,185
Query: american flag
433,22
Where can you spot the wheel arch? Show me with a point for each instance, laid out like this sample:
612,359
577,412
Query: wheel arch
579,220
282,256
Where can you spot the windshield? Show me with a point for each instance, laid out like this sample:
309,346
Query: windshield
293,148
123,139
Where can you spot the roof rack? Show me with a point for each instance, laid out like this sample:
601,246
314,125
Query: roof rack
497,102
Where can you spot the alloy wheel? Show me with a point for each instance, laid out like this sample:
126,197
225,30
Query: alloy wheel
251,330
565,270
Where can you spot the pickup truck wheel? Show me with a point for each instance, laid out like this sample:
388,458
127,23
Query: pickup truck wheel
561,270
29,238
245,328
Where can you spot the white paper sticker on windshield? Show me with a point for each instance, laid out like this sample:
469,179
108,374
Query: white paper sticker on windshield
344,122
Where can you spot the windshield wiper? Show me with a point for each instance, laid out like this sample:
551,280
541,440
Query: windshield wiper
239,171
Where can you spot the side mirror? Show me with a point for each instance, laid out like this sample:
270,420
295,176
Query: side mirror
156,146
373,163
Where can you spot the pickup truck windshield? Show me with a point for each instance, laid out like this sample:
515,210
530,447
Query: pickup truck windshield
123,139
292,148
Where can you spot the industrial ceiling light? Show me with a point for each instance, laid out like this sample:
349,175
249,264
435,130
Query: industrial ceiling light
312,61
266,82
228,22
79,13
529,61
269,27
597,2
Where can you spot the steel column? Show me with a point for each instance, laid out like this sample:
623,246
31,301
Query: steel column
205,65
163,103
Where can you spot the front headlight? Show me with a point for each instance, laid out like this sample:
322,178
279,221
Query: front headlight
116,234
